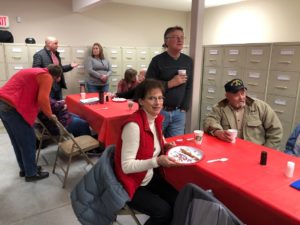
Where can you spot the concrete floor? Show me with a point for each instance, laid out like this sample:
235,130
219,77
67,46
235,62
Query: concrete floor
44,202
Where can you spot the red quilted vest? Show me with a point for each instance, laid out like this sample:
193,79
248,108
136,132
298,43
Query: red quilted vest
132,181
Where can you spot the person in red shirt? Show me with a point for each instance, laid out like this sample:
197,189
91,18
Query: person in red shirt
21,98
129,82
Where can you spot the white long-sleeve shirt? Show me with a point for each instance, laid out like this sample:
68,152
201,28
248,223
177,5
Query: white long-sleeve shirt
130,145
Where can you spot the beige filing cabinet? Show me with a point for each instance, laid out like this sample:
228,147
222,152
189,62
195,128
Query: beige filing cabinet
142,58
16,58
32,49
155,51
271,72
3,76
114,55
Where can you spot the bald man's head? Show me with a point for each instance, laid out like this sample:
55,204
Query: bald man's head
51,43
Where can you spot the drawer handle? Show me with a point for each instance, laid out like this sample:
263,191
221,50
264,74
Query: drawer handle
212,60
253,84
128,57
210,97
281,87
232,60
285,62
278,111
17,57
79,57
211,78
255,61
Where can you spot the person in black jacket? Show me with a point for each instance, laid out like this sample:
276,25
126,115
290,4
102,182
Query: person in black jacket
50,55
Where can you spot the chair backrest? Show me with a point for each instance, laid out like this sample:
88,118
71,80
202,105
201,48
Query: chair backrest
98,196
197,206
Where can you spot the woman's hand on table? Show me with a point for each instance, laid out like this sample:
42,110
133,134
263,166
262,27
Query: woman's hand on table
223,135
166,161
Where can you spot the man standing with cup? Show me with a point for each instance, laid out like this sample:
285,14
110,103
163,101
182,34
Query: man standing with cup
253,119
175,70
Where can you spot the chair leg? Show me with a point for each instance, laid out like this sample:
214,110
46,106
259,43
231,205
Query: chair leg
133,215
55,162
40,146
67,171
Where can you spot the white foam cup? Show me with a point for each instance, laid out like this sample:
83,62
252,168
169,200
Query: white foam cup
233,133
182,72
198,135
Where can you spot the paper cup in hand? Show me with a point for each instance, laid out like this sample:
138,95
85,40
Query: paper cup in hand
198,135
182,72
233,133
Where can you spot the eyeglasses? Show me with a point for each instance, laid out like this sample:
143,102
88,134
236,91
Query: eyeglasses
177,37
153,98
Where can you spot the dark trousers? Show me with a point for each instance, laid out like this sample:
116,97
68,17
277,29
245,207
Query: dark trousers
155,200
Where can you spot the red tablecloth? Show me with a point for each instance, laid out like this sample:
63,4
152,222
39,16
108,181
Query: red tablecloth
106,119
258,195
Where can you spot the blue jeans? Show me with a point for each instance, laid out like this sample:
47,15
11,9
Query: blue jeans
78,126
174,122
94,88
22,138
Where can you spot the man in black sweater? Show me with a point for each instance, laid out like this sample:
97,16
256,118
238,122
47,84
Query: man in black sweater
175,70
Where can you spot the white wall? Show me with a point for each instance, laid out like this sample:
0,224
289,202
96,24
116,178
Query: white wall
110,24
253,22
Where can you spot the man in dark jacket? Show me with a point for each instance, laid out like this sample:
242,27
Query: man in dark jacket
50,55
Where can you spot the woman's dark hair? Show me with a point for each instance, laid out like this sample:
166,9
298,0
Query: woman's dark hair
168,31
147,85
101,54
129,75
54,70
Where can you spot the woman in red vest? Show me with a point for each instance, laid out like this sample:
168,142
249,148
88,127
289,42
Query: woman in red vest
140,152
21,98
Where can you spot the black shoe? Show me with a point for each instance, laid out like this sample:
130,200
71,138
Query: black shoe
38,176
22,173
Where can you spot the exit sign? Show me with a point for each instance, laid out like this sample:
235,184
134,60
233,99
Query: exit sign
4,22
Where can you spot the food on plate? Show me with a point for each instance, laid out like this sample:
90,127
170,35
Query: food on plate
188,153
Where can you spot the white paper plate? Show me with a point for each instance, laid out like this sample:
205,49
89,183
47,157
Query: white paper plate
185,154
119,99
89,100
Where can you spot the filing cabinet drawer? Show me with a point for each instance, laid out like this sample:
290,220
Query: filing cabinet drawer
141,65
13,68
283,106
232,73
255,80
80,70
155,51
143,54
258,57
206,109
113,54
283,83
213,56
113,83
116,69
257,95
210,94
16,53
3,76
234,56
32,49
1,53
128,64
285,58
79,54
212,76
129,54
65,54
